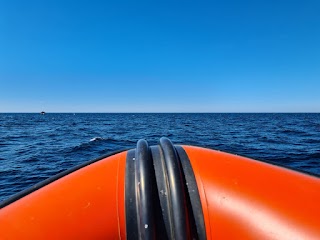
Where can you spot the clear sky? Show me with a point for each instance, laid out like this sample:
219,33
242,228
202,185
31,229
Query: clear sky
159,56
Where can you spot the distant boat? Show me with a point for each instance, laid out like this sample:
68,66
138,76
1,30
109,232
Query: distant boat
42,113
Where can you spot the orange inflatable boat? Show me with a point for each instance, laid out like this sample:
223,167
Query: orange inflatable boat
167,192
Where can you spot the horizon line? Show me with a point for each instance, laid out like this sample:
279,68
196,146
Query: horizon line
146,112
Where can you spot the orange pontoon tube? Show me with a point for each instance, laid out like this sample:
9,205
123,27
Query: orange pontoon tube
167,192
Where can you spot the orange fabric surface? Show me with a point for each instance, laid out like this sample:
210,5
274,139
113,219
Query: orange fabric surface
247,199
85,204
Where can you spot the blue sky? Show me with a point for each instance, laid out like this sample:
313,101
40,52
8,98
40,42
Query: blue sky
159,56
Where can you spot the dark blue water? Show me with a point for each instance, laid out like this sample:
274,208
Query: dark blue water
34,147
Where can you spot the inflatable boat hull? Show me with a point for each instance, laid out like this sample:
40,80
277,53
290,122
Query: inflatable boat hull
167,192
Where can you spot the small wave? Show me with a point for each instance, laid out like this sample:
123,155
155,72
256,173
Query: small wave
294,132
79,147
92,142
53,135
10,172
96,139
269,140
314,141
314,156
31,160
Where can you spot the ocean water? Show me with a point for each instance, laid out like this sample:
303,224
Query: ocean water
34,147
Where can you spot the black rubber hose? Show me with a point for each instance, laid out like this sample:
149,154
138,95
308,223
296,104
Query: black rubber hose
139,188
143,183
162,198
176,195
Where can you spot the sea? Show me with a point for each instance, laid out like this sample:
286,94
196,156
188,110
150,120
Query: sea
34,147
